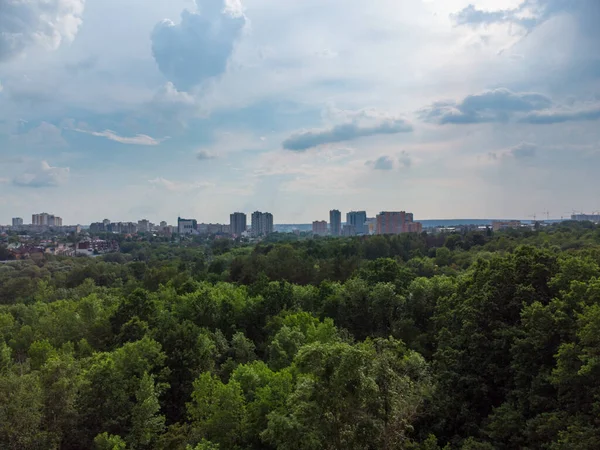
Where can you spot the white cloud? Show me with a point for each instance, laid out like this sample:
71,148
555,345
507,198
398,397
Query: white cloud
43,175
37,22
138,139
171,105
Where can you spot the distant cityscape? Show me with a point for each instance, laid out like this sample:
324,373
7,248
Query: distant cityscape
262,224
46,234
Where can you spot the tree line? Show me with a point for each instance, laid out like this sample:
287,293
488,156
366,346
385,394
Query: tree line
457,341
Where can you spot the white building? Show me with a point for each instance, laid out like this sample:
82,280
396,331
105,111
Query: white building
186,226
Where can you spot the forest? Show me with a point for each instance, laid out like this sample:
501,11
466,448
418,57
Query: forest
470,341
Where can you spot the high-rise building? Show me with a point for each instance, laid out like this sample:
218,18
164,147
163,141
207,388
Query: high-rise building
143,226
335,222
46,220
396,222
261,223
319,227
358,220
163,224
17,222
186,226
237,221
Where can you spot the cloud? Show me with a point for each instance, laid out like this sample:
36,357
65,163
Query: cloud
138,139
37,22
43,175
44,135
383,163
405,160
174,100
15,160
204,155
200,46
496,105
83,65
176,186
532,13
523,150
356,124
561,115
472,16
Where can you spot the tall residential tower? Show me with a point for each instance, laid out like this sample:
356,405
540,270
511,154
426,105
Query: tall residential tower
262,223
237,222
335,222
357,219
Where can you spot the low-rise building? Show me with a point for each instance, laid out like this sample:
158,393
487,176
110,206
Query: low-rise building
348,230
586,217
498,225
186,226
96,246
396,222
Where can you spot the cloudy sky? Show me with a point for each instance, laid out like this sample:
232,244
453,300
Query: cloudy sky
130,109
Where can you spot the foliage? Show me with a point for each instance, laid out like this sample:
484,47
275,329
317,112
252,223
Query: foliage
456,341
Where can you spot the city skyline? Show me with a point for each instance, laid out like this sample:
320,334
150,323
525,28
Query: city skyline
542,215
449,108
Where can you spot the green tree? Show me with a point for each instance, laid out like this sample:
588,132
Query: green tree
217,410
107,441
146,422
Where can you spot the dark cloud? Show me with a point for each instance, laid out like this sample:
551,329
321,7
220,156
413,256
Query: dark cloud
497,105
200,45
523,150
204,155
42,175
345,132
27,23
383,163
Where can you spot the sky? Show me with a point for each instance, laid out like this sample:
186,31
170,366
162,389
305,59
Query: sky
131,109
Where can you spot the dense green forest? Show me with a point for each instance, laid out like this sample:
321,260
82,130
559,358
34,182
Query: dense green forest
456,341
